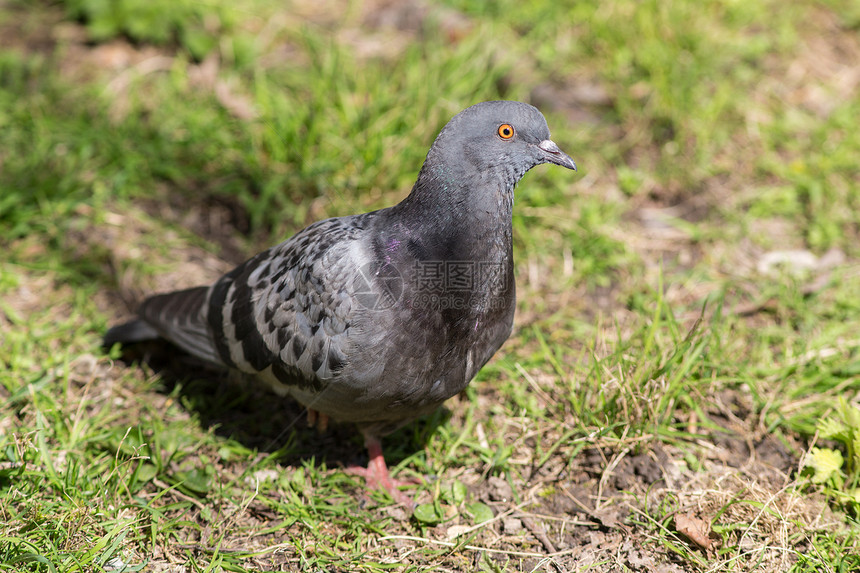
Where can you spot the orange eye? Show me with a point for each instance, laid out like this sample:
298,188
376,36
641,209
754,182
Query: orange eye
506,131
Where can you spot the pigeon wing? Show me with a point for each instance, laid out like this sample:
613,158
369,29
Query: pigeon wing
285,313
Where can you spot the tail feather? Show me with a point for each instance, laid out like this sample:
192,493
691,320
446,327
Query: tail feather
129,333
179,317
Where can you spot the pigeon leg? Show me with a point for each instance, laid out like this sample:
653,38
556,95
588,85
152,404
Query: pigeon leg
376,473
317,419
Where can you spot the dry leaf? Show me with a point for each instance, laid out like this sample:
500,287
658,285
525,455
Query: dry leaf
694,528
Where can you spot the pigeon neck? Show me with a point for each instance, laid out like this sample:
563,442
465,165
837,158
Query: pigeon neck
467,217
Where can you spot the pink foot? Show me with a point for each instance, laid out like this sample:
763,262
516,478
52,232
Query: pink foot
377,476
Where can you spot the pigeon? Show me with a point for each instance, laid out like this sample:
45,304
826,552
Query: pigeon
377,318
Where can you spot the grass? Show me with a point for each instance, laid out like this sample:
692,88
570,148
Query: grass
686,331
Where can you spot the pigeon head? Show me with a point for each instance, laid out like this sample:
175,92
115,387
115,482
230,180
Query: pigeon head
461,206
488,146
495,138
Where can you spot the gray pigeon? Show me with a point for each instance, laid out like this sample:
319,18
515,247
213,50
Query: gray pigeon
377,318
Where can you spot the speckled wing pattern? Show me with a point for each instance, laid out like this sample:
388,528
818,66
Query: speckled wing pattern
282,315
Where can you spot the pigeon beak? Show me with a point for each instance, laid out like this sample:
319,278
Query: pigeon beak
552,154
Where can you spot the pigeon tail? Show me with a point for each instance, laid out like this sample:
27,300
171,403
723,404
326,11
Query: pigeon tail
130,333
180,317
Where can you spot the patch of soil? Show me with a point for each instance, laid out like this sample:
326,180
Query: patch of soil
219,220
641,470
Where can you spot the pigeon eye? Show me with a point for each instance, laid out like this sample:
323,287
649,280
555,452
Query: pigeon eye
506,131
